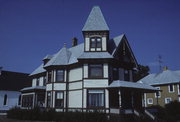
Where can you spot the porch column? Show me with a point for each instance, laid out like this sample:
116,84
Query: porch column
132,99
120,102
143,100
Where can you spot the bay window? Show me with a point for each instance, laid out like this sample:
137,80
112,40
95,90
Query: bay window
59,99
48,99
59,75
49,76
95,70
96,98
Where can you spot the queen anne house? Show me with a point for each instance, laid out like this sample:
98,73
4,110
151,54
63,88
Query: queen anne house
94,75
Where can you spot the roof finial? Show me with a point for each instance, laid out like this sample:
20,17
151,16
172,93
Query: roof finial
65,45
165,68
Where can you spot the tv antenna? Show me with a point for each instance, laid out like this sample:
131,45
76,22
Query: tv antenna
160,62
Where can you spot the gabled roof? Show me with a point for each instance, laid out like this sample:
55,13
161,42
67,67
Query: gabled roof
165,77
114,43
66,56
60,58
127,84
14,81
38,70
95,21
47,57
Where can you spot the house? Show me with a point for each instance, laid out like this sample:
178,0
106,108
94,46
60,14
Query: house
11,83
94,75
168,82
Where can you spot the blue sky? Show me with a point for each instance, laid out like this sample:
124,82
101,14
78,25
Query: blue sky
31,29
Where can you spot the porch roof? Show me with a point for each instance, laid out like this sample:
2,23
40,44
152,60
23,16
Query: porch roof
33,88
127,84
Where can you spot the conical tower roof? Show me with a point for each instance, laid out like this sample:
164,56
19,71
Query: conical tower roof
95,21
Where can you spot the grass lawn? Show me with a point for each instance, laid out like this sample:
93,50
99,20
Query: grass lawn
4,119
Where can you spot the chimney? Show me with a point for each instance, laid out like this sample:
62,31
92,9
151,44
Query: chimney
165,68
74,41
1,70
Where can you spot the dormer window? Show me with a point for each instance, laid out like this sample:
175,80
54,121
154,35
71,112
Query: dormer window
95,43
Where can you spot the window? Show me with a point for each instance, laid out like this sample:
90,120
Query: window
150,100
59,99
44,80
5,99
27,100
19,100
171,88
49,76
37,81
48,99
95,98
167,100
95,70
59,75
95,42
126,75
115,74
158,93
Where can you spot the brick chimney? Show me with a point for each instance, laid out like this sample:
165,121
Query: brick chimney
1,70
74,41
165,68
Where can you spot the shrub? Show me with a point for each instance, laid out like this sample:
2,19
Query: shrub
52,115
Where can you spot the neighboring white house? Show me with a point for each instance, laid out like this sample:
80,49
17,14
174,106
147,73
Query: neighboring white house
11,83
96,74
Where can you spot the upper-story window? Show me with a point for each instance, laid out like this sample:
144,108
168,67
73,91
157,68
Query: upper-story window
95,70
95,42
49,76
171,88
126,75
115,74
59,75
44,80
37,81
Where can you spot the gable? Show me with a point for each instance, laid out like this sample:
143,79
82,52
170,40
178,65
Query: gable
124,52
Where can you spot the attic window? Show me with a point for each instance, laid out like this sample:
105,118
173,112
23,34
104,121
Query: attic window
95,42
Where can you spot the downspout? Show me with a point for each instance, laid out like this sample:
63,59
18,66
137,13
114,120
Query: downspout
67,88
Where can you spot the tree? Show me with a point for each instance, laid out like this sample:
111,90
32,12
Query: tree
141,72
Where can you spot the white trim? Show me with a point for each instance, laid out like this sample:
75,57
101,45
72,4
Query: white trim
178,86
179,99
145,100
148,101
169,88
158,92
167,98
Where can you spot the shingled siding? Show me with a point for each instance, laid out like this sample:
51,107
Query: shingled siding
164,94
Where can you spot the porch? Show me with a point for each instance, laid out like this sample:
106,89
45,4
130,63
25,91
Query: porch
128,97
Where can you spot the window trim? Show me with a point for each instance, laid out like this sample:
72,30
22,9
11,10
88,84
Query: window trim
166,100
158,92
172,87
104,99
150,103
90,43
95,77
